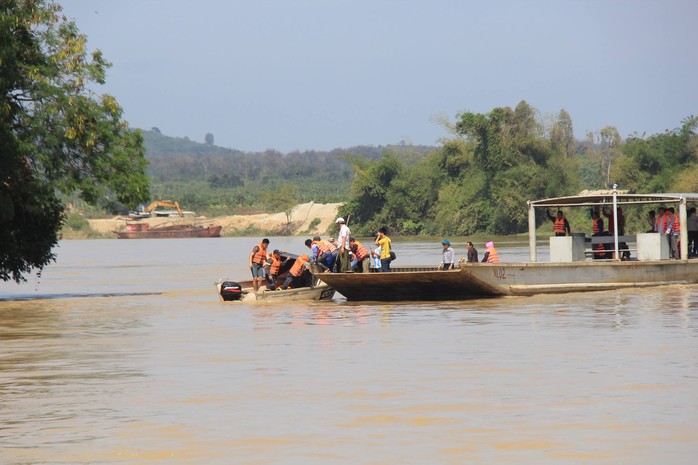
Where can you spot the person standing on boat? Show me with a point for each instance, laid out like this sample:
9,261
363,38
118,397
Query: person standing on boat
361,255
472,252
491,255
611,224
561,227
274,266
448,259
692,225
600,249
375,263
343,244
385,244
651,218
258,260
673,230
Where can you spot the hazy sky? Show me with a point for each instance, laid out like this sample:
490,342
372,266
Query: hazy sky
320,74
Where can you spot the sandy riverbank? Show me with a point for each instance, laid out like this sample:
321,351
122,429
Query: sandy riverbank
268,223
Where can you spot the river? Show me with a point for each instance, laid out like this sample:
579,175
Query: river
121,353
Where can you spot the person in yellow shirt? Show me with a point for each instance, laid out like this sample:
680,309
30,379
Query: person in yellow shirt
384,242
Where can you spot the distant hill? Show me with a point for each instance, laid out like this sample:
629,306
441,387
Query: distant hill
176,158
203,176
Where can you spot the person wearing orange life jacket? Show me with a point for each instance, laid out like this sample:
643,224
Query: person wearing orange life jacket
296,275
361,255
660,220
323,253
258,260
597,230
561,226
274,266
491,255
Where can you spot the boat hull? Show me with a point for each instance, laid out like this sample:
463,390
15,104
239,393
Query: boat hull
313,293
488,280
171,232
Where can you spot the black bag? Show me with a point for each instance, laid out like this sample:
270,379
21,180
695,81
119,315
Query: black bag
392,255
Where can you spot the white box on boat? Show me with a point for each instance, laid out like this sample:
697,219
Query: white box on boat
652,246
567,248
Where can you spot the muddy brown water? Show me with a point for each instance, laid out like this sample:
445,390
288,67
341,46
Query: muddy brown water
122,354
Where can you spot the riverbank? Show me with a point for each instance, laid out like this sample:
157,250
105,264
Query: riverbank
307,218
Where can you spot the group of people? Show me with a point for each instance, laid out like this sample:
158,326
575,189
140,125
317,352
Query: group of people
349,255
448,259
343,255
664,221
265,268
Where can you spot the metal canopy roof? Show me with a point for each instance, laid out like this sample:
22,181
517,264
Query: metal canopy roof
607,198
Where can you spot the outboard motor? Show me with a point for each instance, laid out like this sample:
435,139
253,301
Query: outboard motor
230,290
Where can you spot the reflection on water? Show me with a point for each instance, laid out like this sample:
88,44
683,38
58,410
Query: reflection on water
147,366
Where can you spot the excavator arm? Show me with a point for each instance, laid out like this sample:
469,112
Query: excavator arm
165,204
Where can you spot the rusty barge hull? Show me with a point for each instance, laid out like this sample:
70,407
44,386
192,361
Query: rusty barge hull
170,232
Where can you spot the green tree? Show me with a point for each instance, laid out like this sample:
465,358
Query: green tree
562,135
604,148
282,198
370,191
56,135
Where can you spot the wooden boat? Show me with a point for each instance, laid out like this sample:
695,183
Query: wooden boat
573,275
144,231
229,290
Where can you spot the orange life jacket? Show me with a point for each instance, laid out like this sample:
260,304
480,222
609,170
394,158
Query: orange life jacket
361,251
275,265
493,257
676,226
326,246
661,223
600,250
559,225
597,226
297,268
260,256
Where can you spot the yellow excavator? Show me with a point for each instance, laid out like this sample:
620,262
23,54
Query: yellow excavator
163,203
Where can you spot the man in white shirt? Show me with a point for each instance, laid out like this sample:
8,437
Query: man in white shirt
449,256
342,264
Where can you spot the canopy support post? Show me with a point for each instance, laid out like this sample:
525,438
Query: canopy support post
532,232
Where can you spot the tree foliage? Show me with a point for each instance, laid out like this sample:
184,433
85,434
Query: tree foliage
56,135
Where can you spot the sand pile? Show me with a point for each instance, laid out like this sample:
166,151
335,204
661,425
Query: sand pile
271,223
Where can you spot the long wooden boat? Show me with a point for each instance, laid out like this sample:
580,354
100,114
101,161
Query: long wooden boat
476,280
144,231
503,279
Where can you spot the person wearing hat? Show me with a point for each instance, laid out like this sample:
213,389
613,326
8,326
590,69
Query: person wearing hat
449,256
491,255
342,263
274,262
